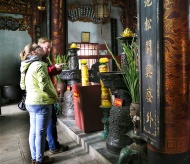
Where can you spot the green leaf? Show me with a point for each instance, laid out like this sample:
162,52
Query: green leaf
130,71
61,59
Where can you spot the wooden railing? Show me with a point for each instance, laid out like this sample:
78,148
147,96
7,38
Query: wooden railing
93,52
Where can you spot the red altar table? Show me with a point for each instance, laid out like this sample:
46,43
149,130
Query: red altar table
87,101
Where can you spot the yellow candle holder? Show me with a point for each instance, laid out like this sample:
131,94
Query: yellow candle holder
103,68
84,73
105,92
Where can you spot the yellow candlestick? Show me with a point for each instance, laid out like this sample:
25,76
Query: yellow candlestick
103,68
105,93
84,74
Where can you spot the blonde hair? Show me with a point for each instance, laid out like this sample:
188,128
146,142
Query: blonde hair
43,40
28,50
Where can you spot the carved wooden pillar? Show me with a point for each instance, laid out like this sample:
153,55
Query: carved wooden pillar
165,125
128,13
57,30
35,19
65,27
176,84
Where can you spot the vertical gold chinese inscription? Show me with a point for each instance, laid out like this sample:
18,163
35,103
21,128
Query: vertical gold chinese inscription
148,50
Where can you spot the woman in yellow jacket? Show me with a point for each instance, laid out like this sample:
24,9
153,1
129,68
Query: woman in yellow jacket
40,95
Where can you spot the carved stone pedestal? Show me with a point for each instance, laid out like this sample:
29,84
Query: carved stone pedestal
119,124
68,105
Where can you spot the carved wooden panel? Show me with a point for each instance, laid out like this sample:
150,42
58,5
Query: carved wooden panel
150,52
22,7
16,6
82,13
10,23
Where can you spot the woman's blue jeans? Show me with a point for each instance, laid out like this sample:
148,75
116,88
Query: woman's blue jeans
39,119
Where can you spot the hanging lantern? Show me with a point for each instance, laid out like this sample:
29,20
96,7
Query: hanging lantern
101,9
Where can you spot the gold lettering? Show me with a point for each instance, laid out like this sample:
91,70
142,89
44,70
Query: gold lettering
149,96
147,24
149,46
149,118
148,71
147,3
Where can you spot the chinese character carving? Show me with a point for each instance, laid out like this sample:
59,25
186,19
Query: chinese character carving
147,24
149,96
148,71
147,3
38,29
149,118
149,46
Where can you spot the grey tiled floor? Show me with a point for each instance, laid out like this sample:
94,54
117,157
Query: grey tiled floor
14,148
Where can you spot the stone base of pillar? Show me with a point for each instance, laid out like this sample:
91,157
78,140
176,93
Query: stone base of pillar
154,157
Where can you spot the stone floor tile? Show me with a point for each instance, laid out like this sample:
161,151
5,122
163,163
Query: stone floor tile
14,146
15,161
9,147
9,156
84,157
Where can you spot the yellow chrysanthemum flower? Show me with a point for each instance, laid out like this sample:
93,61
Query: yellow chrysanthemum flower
83,61
73,45
127,33
103,60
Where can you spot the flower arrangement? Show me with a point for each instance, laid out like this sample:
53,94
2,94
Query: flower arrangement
83,62
103,67
105,92
103,60
130,71
127,33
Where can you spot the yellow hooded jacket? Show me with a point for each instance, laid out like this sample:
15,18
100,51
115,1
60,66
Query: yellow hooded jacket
37,83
